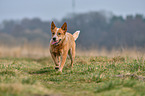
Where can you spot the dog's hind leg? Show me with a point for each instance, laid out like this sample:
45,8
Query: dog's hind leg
71,54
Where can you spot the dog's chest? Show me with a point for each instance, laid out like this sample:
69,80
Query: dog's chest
57,50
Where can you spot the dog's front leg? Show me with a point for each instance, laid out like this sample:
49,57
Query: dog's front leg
64,56
55,60
59,60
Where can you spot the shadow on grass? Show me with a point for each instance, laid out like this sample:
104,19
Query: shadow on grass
44,61
43,70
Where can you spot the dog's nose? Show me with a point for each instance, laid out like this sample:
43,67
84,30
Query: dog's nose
54,38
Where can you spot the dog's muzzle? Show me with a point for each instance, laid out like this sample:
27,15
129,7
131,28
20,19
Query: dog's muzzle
55,42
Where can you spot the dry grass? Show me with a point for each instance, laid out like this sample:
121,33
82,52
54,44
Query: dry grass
38,51
133,52
26,51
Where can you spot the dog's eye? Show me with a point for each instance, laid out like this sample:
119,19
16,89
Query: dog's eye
59,33
53,33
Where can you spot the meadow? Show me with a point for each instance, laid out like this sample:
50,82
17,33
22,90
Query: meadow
27,75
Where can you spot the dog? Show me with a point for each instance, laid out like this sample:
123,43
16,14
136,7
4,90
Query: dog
62,44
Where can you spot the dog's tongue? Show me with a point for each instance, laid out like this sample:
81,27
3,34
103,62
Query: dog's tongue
54,42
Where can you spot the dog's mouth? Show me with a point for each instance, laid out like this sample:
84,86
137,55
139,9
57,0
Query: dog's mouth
56,42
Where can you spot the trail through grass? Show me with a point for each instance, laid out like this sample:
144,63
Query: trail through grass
90,76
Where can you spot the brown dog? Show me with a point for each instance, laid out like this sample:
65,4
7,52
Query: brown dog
61,44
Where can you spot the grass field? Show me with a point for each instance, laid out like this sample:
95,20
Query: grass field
90,76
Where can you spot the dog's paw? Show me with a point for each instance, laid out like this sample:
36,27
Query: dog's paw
56,67
60,70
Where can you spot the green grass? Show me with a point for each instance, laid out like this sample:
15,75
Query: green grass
90,76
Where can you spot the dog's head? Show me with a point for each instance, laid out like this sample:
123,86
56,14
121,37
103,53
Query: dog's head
58,34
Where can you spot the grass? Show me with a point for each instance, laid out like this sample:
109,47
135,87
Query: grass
90,76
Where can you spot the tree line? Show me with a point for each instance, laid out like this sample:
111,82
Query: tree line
97,30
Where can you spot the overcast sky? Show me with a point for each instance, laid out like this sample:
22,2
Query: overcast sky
50,9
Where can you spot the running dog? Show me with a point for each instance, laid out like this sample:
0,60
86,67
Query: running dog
62,44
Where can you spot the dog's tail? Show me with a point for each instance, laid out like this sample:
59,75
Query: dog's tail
76,35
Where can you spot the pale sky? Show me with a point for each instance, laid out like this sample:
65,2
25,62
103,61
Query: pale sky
50,9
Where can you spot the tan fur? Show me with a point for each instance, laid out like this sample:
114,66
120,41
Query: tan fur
65,47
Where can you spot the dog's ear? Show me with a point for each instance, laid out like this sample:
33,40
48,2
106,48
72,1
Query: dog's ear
64,27
52,26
